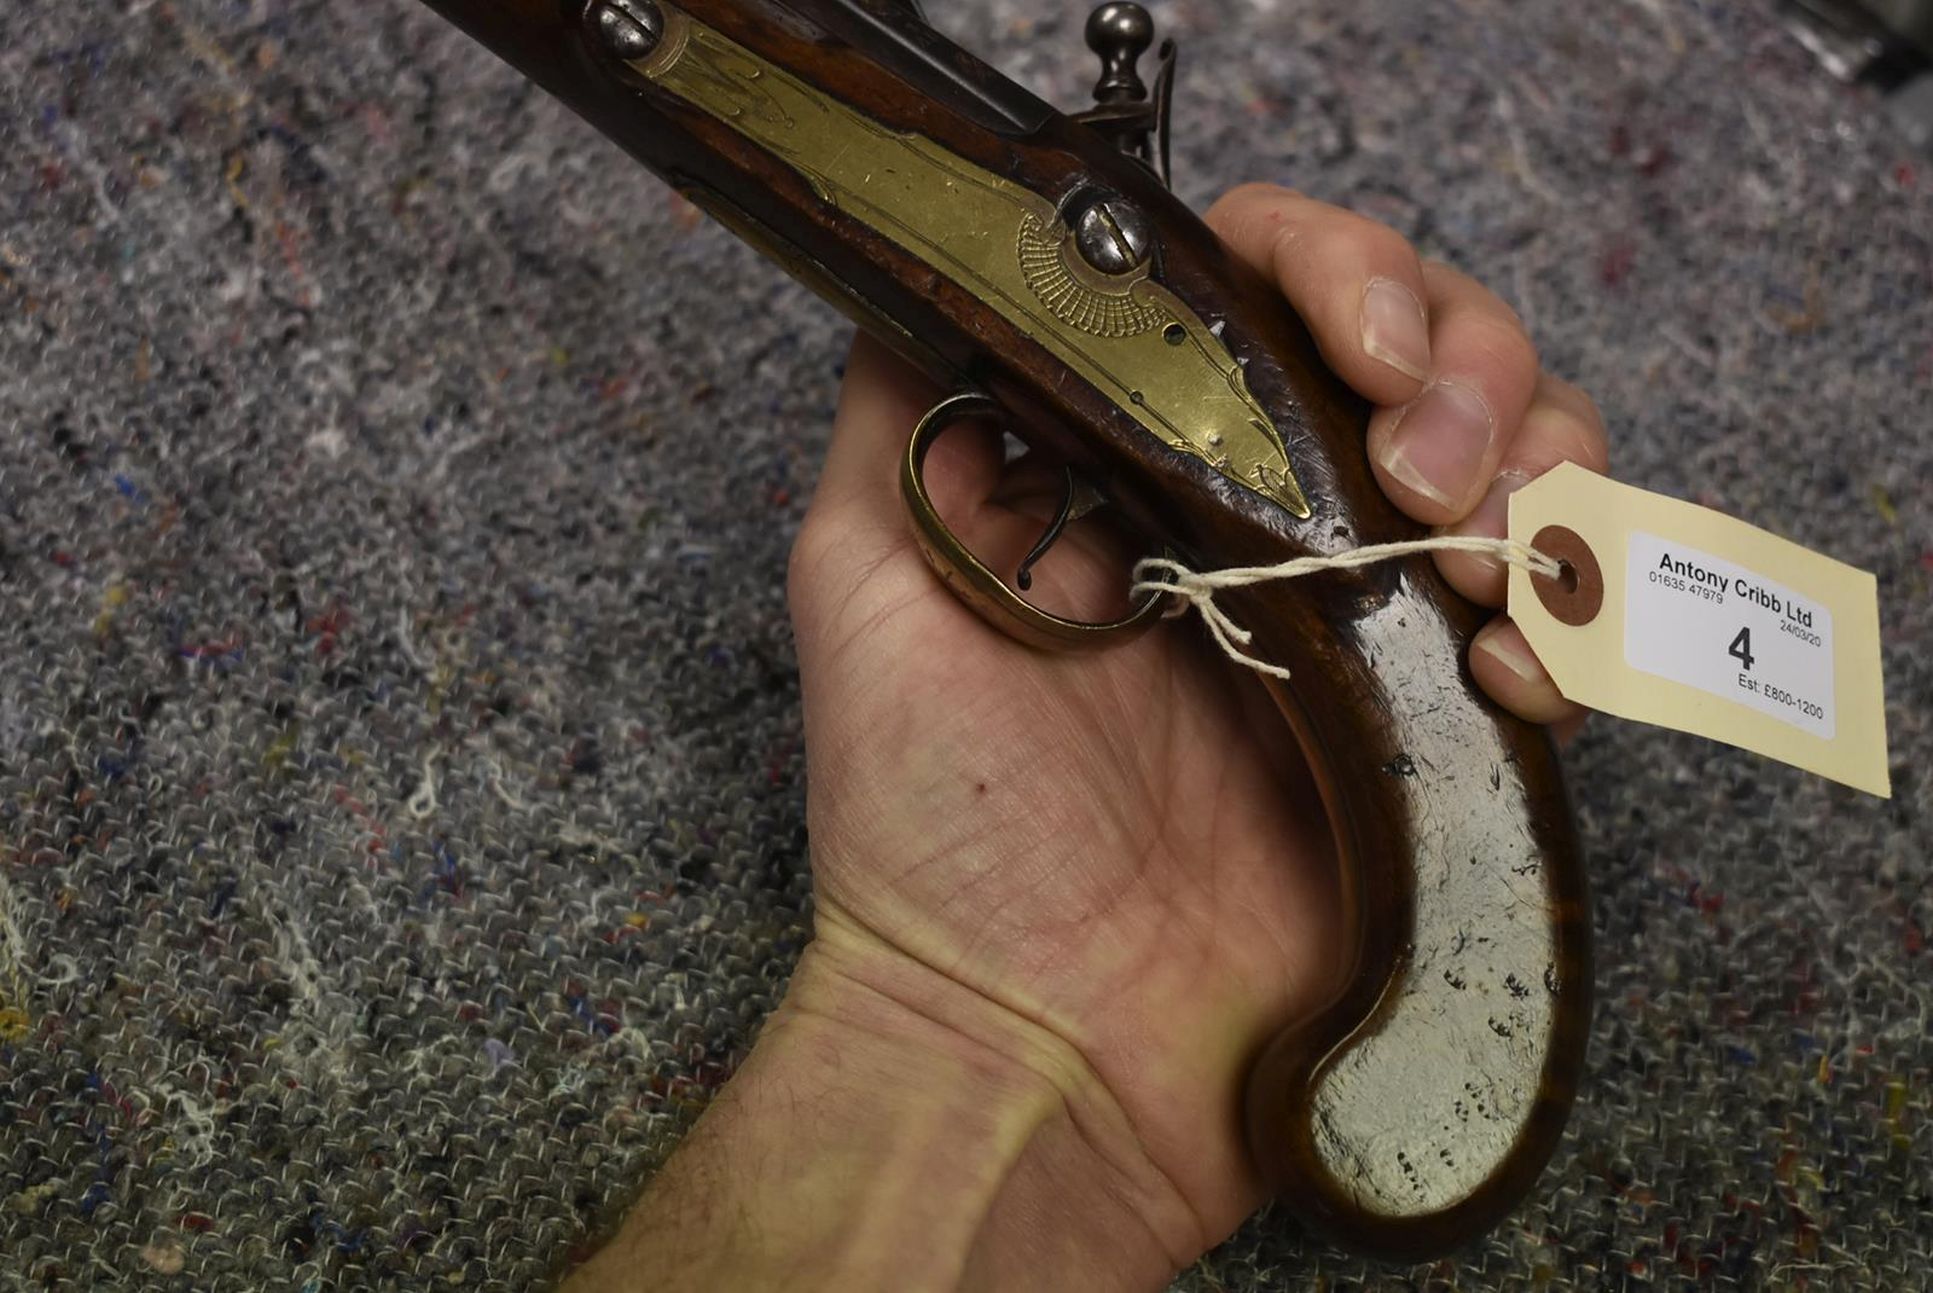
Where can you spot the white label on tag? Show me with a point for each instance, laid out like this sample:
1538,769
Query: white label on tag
1710,624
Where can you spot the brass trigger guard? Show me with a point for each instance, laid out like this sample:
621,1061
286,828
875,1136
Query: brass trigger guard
969,578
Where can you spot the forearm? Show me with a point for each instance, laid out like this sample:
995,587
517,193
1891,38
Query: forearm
904,1134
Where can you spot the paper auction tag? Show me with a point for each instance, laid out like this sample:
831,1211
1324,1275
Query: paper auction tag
1677,615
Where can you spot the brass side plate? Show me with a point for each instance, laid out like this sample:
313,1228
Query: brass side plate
1126,334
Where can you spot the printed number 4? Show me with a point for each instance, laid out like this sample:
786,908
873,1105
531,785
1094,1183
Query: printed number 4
1741,647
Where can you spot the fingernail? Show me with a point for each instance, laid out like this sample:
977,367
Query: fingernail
1503,648
1394,327
1439,443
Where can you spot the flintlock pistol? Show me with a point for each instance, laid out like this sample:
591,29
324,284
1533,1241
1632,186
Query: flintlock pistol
1037,264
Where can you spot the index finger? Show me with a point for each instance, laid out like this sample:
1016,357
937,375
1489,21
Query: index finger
1357,284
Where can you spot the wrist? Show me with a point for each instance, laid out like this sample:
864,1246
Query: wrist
1068,1196
893,1128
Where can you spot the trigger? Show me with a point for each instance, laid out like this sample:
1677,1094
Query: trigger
1078,498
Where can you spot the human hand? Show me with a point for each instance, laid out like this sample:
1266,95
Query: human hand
1062,900
1121,846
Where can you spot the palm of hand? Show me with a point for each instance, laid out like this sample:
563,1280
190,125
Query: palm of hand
1121,847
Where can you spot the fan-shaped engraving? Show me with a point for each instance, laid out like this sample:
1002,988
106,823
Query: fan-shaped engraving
1079,304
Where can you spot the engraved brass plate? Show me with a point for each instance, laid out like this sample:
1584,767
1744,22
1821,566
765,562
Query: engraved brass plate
1128,335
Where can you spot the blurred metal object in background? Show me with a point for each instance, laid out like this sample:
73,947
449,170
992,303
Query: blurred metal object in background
1912,19
1853,41
1887,44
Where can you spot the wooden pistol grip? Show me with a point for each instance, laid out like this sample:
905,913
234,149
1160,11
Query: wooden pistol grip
1415,1109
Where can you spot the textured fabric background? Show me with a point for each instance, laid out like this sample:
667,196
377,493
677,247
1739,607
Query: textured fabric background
400,780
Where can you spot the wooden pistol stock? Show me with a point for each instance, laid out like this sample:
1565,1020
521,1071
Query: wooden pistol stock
1039,261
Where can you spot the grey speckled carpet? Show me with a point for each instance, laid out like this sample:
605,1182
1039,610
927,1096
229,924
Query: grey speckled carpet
400,780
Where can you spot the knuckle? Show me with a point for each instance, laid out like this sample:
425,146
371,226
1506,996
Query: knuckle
1350,247
1575,400
1469,295
1251,205
1572,423
1584,442
1286,249
1384,245
1502,348
1499,313
1556,434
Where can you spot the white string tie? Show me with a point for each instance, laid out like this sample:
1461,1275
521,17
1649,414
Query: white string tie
1198,587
